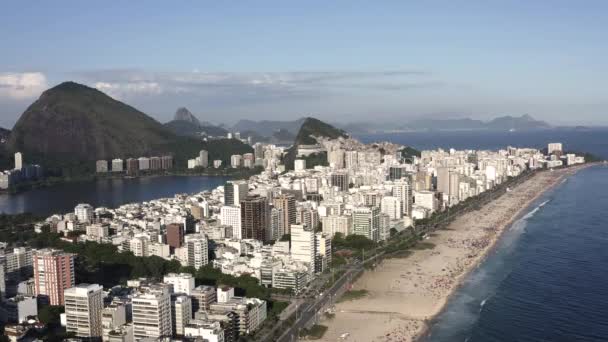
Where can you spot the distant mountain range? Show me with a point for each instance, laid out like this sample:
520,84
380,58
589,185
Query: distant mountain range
503,123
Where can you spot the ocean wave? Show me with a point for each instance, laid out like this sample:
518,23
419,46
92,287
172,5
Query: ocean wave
520,224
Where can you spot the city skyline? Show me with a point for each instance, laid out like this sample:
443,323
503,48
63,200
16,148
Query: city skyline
339,61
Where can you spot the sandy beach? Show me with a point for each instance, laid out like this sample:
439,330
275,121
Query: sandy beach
404,294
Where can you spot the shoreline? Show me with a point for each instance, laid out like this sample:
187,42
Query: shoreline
407,313
521,212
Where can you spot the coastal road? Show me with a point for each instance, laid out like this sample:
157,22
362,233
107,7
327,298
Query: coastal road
309,313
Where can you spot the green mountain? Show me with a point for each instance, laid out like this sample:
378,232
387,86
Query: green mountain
310,129
71,125
183,128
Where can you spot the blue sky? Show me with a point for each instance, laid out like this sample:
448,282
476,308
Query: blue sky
337,60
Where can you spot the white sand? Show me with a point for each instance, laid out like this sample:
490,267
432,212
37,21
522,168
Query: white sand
405,293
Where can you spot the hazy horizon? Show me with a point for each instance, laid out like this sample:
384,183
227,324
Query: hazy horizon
339,61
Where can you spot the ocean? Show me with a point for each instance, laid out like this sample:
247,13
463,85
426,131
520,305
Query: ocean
545,280
593,140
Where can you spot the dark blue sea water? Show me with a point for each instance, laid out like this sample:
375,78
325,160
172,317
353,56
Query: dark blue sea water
110,193
593,140
546,280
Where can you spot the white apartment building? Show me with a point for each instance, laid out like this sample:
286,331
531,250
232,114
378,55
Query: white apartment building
181,283
554,147
196,246
144,163
366,222
231,216
139,246
303,245
203,158
181,313
391,206
151,307
84,212
426,199
236,160
333,224
403,191
117,165
83,307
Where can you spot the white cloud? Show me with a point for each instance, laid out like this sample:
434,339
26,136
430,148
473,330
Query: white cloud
22,85
124,89
124,83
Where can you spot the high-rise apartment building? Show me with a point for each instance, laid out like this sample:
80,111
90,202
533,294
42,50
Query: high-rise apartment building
166,162
339,180
277,230
204,158
132,167
366,222
18,161
101,166
155,163
83,311
181,313
287,203
303,245
53,274
308,217
144,163
235,192
175,235
402,190
391,206
231,216
197,250
322,252
117,165
84,212
443,180
151,307
236,161
254,218
551,148
333,224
